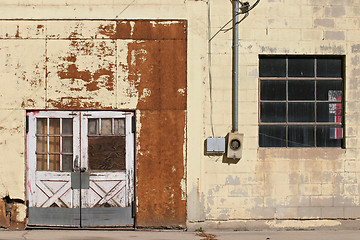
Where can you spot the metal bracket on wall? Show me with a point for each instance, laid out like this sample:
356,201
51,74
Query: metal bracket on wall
133,124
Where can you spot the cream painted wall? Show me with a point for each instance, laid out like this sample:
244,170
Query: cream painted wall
281,183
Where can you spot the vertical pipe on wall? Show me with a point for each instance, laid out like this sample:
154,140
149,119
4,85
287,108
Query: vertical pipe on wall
235,72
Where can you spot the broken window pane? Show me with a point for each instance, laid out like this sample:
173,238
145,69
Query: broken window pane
301,112
54,144
67,126
272,136
301,90
67,163
54,162
273,112
67,144
301,136
272,66
93,126
329,67
119,126
41,162
106,126
301,67
326,89
273,90
41,126
54,126
329,136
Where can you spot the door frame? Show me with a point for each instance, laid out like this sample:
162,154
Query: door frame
79,116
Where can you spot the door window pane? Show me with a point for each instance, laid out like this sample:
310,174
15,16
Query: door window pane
272,136
302,90
106,126
67,144
54,126
272,112
41,144
301,67
54,162
41,162
273,90
41,125
67,126
67,162
119,126
272,66
93,126
301,136
302,112
54,144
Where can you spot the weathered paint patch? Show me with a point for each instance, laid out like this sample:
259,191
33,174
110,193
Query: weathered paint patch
85,67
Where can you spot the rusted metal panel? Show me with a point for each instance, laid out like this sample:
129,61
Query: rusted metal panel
106,153
160,169
151,30
173,74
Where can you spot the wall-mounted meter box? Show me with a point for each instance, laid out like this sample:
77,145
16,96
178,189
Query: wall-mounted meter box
215,145
235,145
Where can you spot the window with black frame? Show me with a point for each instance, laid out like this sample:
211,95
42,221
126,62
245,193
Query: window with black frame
301,101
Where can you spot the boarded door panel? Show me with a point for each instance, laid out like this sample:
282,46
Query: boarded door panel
107,153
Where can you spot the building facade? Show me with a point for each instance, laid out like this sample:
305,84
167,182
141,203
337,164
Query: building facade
107,108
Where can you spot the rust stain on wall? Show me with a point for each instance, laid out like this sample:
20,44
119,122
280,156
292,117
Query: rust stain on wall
151,30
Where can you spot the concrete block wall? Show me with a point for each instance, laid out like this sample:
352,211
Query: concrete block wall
281,183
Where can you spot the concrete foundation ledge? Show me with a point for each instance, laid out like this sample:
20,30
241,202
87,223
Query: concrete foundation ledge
276,225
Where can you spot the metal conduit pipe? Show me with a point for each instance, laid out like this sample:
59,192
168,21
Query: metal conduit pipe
235,72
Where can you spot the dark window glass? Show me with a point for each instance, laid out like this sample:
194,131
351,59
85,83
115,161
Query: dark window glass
301,67
302,112
301,136
329,136
272,136
329,90
272,66
273,112
301,90
305,91
329,67
329,112
273,90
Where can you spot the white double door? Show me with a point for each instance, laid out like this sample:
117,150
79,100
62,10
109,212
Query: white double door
80,168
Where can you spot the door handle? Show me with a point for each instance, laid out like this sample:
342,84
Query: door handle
76,164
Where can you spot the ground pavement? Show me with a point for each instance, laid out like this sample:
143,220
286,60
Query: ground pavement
177,235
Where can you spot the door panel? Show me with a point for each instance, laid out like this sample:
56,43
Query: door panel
80,167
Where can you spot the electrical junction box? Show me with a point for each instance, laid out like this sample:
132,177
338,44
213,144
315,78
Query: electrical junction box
215,145
235,145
